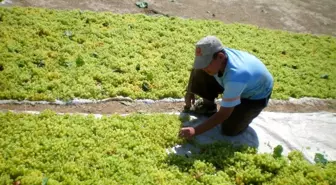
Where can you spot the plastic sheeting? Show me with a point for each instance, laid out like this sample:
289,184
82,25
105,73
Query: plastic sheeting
76,101
5,2
309,133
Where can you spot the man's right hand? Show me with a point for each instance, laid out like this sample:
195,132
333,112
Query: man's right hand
189,100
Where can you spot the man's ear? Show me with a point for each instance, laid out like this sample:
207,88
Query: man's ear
221,55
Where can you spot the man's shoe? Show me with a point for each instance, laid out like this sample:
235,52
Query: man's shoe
201,108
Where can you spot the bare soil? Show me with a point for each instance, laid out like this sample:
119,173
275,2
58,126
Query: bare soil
309,16
126,107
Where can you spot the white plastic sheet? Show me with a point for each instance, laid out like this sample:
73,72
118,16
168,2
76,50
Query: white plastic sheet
309,133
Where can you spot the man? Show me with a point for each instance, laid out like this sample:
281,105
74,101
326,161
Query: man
243,79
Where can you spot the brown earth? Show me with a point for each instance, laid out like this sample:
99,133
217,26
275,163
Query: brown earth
125,107
310,16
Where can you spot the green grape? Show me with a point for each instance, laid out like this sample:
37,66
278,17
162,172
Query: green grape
319,158
61,60
277,151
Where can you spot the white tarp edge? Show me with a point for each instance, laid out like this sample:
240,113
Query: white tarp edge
76,101
6,2
309,133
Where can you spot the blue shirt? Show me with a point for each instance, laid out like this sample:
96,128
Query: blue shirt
245,76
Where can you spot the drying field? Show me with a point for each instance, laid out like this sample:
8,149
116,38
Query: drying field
53,54
74,149
61,55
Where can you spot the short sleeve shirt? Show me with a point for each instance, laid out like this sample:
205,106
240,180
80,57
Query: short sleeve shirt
245,76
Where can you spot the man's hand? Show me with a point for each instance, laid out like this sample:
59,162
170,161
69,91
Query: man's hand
189,100
187,132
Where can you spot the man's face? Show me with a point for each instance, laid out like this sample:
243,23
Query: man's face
215,65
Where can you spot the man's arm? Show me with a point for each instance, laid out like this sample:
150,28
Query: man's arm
231,98
189,97
218,118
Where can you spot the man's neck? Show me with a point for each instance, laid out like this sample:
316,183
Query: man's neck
221,71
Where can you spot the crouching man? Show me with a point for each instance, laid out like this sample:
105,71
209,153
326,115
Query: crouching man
242,78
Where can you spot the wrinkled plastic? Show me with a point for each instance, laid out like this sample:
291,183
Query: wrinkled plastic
309,133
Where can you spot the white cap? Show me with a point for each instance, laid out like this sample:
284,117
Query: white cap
205,48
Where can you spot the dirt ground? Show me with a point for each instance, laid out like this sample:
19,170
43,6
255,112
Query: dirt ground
126,107
308,16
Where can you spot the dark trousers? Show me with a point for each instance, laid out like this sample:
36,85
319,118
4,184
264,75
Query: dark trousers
207,87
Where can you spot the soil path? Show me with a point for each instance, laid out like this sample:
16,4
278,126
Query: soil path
125,107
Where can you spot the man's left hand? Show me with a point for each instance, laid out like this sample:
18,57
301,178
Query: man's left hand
187,132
